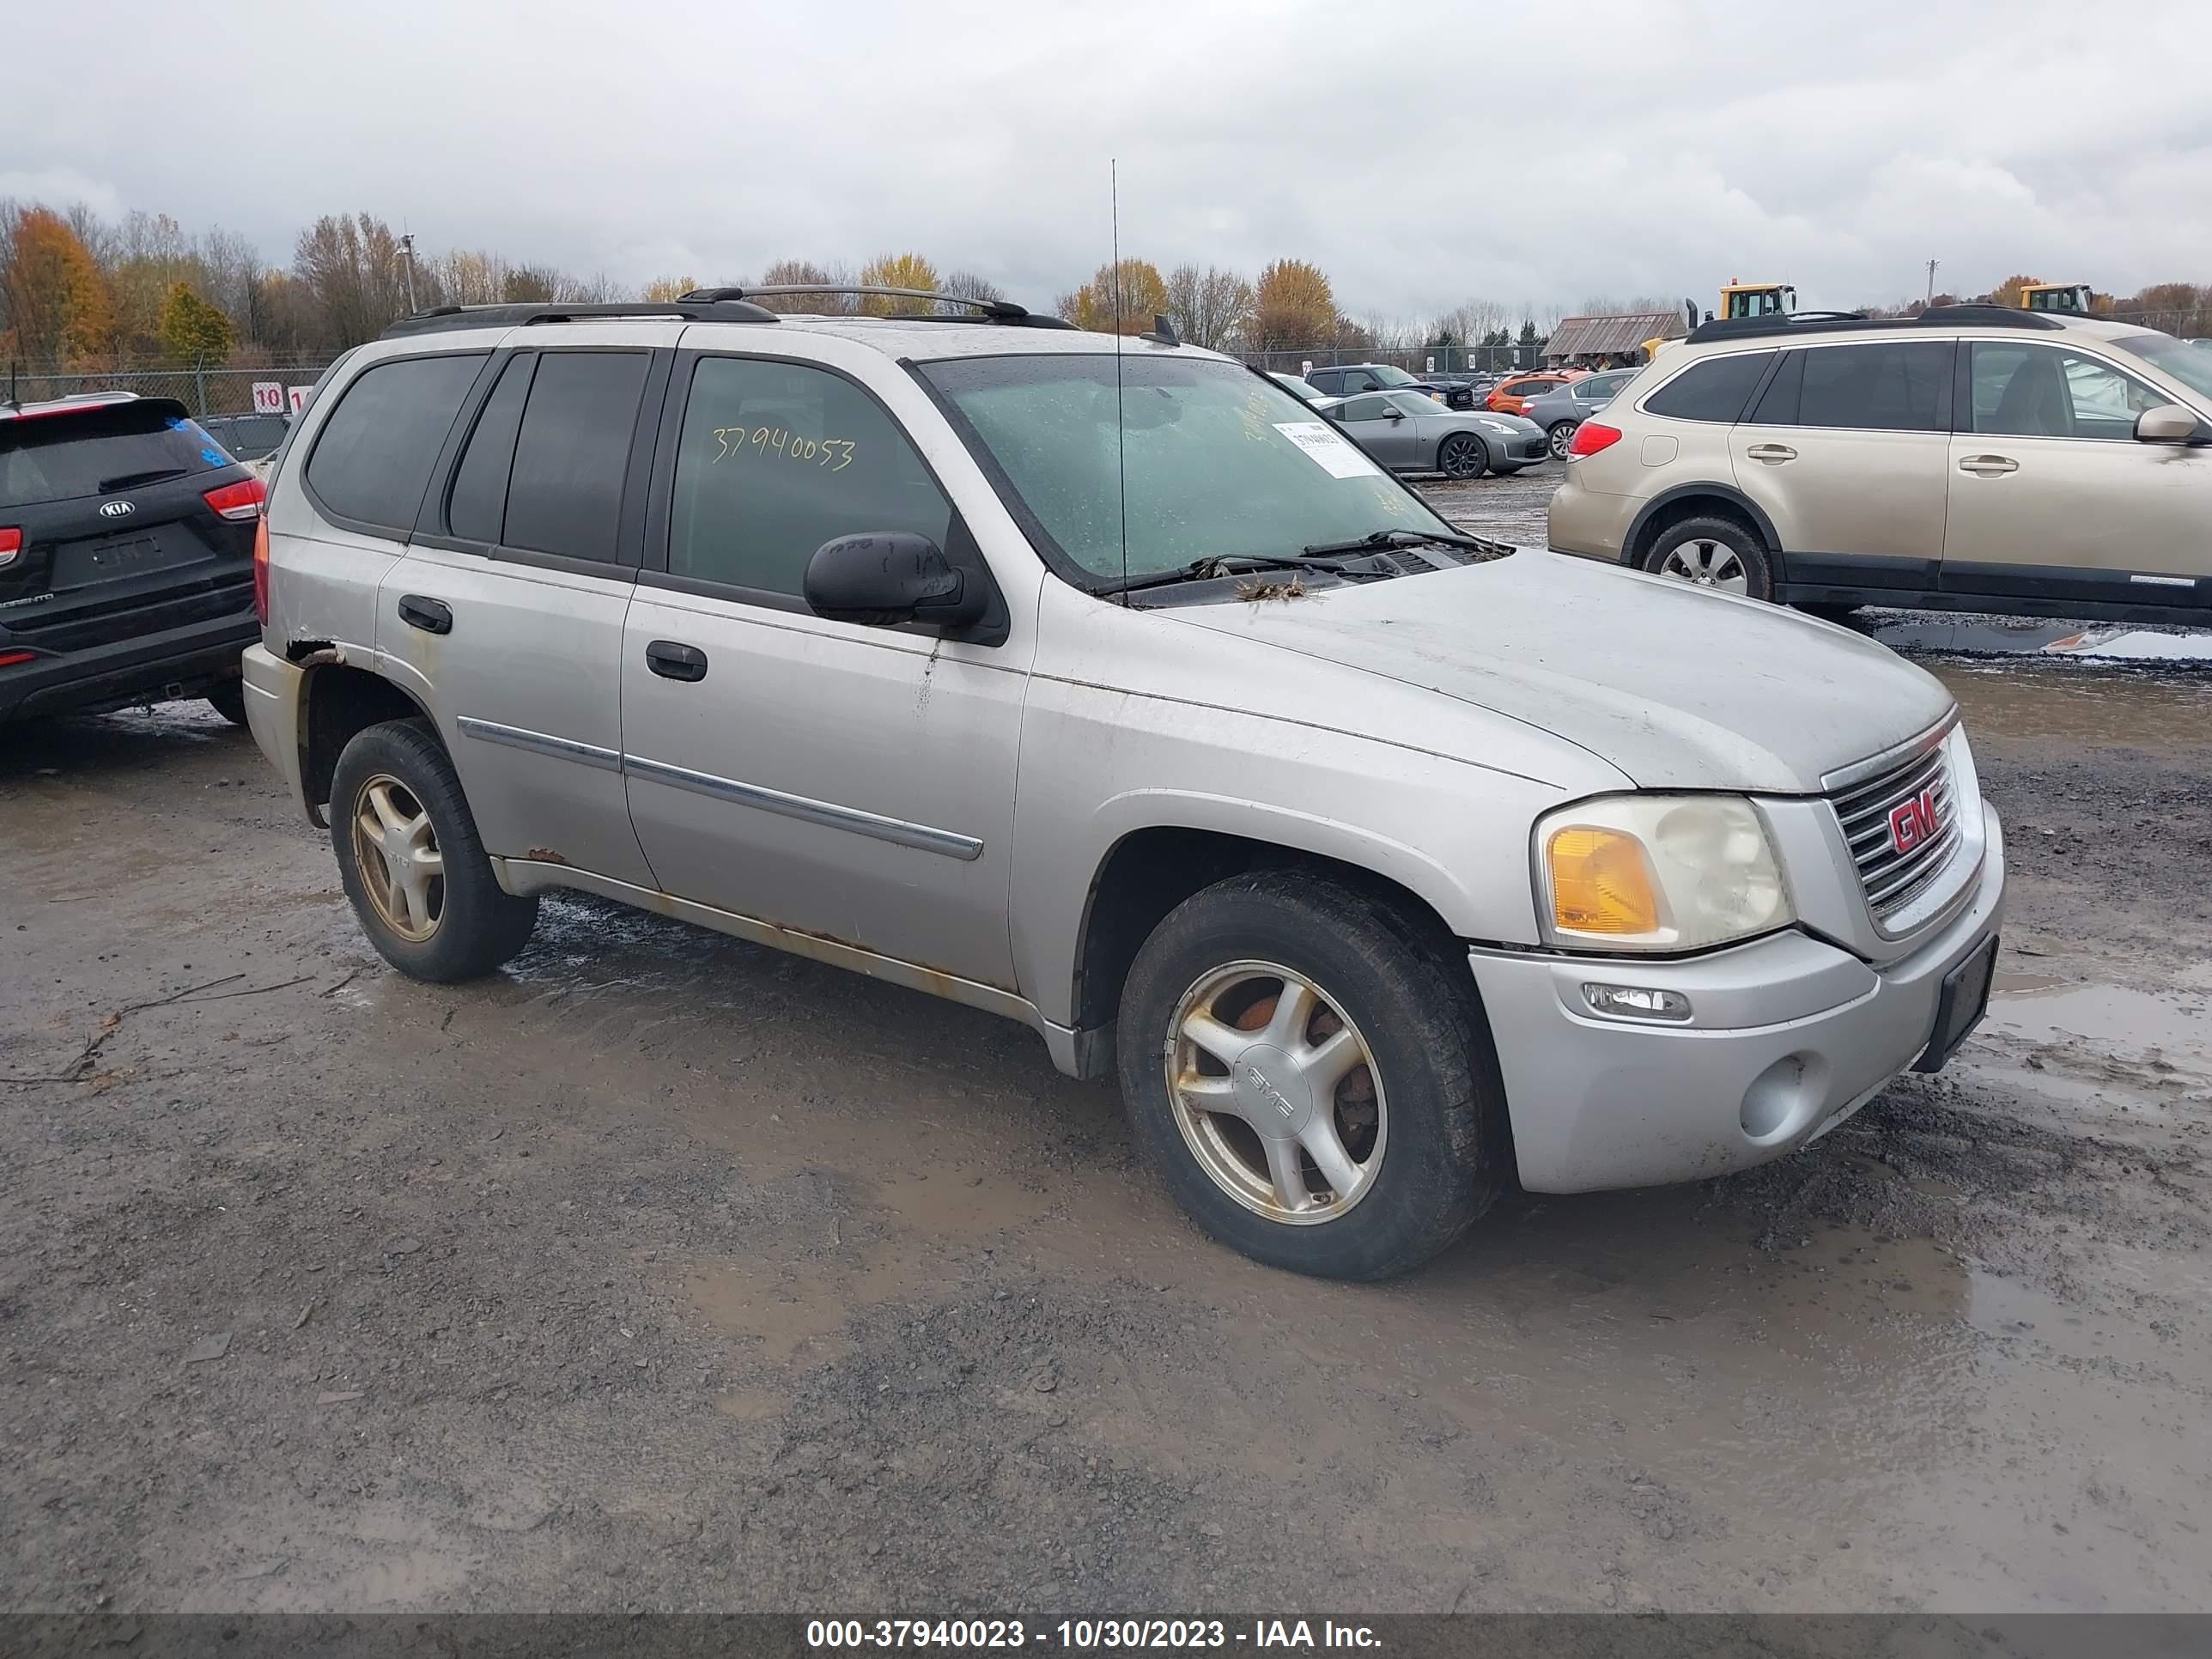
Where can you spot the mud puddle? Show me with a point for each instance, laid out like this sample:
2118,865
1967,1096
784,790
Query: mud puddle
2023,636
2161,713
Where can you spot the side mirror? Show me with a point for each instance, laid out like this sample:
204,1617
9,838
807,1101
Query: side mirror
2170,423
1395,414
882,577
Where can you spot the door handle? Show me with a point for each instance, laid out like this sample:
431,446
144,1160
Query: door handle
1988,466
673,660
1771,453
431,616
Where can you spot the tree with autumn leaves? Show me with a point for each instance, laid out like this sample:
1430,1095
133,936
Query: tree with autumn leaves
59,307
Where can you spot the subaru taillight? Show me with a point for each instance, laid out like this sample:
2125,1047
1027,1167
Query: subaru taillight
11,545
238,501
1592,436
261,571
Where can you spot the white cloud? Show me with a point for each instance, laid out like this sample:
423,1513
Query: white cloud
1421,154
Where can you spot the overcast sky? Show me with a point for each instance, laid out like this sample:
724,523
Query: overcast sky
1538,151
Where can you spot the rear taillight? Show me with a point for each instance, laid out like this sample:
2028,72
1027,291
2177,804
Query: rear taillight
238,501
261,571
9,658
1592,436
11,544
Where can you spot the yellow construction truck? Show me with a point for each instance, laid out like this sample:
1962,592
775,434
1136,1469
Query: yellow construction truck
2069,297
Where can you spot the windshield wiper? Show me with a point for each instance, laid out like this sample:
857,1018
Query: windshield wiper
1199,570
131,480
1380,539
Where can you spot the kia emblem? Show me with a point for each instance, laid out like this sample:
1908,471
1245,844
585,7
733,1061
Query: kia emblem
1913,824
118,509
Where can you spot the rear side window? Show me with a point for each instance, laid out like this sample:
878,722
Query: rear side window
773,459
373,457
477,510
1901,387
1714,390
572,452
60,457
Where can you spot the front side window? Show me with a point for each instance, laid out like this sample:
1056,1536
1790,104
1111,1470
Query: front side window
1219,462
1901,387
773,459
2024,391
1363,409
373,457
1714,390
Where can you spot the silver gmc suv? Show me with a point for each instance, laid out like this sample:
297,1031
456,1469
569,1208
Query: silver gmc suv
1101,684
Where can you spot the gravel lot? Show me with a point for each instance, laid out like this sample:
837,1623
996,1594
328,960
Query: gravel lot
664,1271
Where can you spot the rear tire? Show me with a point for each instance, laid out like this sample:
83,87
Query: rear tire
1713,551
228,699
1384,1125
412,863
1559,434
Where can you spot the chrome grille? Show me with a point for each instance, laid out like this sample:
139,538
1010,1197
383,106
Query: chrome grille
1893,879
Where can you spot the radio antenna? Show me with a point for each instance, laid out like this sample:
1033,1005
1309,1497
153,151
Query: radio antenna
1121,429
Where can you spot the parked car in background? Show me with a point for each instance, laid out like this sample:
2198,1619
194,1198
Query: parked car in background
1302,389
1407,432
1974,457
126,557
1519,870
1344,380
1510,395
248,438
1563,408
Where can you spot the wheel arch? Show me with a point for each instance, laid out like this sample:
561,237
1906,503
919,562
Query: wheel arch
338,700
1689,501
1151,869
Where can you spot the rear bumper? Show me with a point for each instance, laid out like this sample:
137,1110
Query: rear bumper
174,662
1789,1036
1589,523
273,688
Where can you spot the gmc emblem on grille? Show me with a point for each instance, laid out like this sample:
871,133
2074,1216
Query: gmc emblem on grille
118,509
1913,824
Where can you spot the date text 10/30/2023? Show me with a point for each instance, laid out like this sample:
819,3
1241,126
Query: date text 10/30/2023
1086,1635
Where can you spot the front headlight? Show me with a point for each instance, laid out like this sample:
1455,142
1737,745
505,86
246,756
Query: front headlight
1499,426
1657,872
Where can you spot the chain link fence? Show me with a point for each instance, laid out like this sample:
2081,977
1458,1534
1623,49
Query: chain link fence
205,391
1414,360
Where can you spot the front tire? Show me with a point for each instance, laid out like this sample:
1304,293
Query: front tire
1462,456
1723,554
412,863
1311,1078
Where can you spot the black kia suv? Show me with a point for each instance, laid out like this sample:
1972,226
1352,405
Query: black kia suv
126,557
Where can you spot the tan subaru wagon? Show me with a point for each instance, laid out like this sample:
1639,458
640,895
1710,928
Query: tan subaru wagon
1975,458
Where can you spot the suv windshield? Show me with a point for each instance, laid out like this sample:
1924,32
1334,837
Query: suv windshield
2188,364
1219,462
102,448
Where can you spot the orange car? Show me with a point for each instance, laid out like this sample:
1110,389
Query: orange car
1511,396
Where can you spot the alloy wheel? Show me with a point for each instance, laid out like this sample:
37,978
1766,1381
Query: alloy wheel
1276,1093
1462,457
396,850
1706,562
1562,435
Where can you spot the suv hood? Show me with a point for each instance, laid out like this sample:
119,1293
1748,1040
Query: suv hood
1676,688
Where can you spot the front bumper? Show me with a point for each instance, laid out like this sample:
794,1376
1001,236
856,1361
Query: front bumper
1789,1036
171,662
273,688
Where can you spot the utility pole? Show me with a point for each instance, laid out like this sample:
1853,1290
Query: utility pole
1932,264
407,252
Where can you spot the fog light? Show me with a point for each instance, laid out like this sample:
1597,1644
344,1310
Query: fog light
1636,1002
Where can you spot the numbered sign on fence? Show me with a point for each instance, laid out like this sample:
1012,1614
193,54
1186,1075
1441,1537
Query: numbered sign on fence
299,395
269,396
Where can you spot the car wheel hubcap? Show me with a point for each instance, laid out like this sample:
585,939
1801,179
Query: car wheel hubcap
1707,563
1561,437
1276,1093
402,871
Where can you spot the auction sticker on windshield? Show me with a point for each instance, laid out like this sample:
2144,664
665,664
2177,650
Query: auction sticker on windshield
1327,446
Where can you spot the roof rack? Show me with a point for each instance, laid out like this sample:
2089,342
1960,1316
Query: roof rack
1004,312
1815,322
439,318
